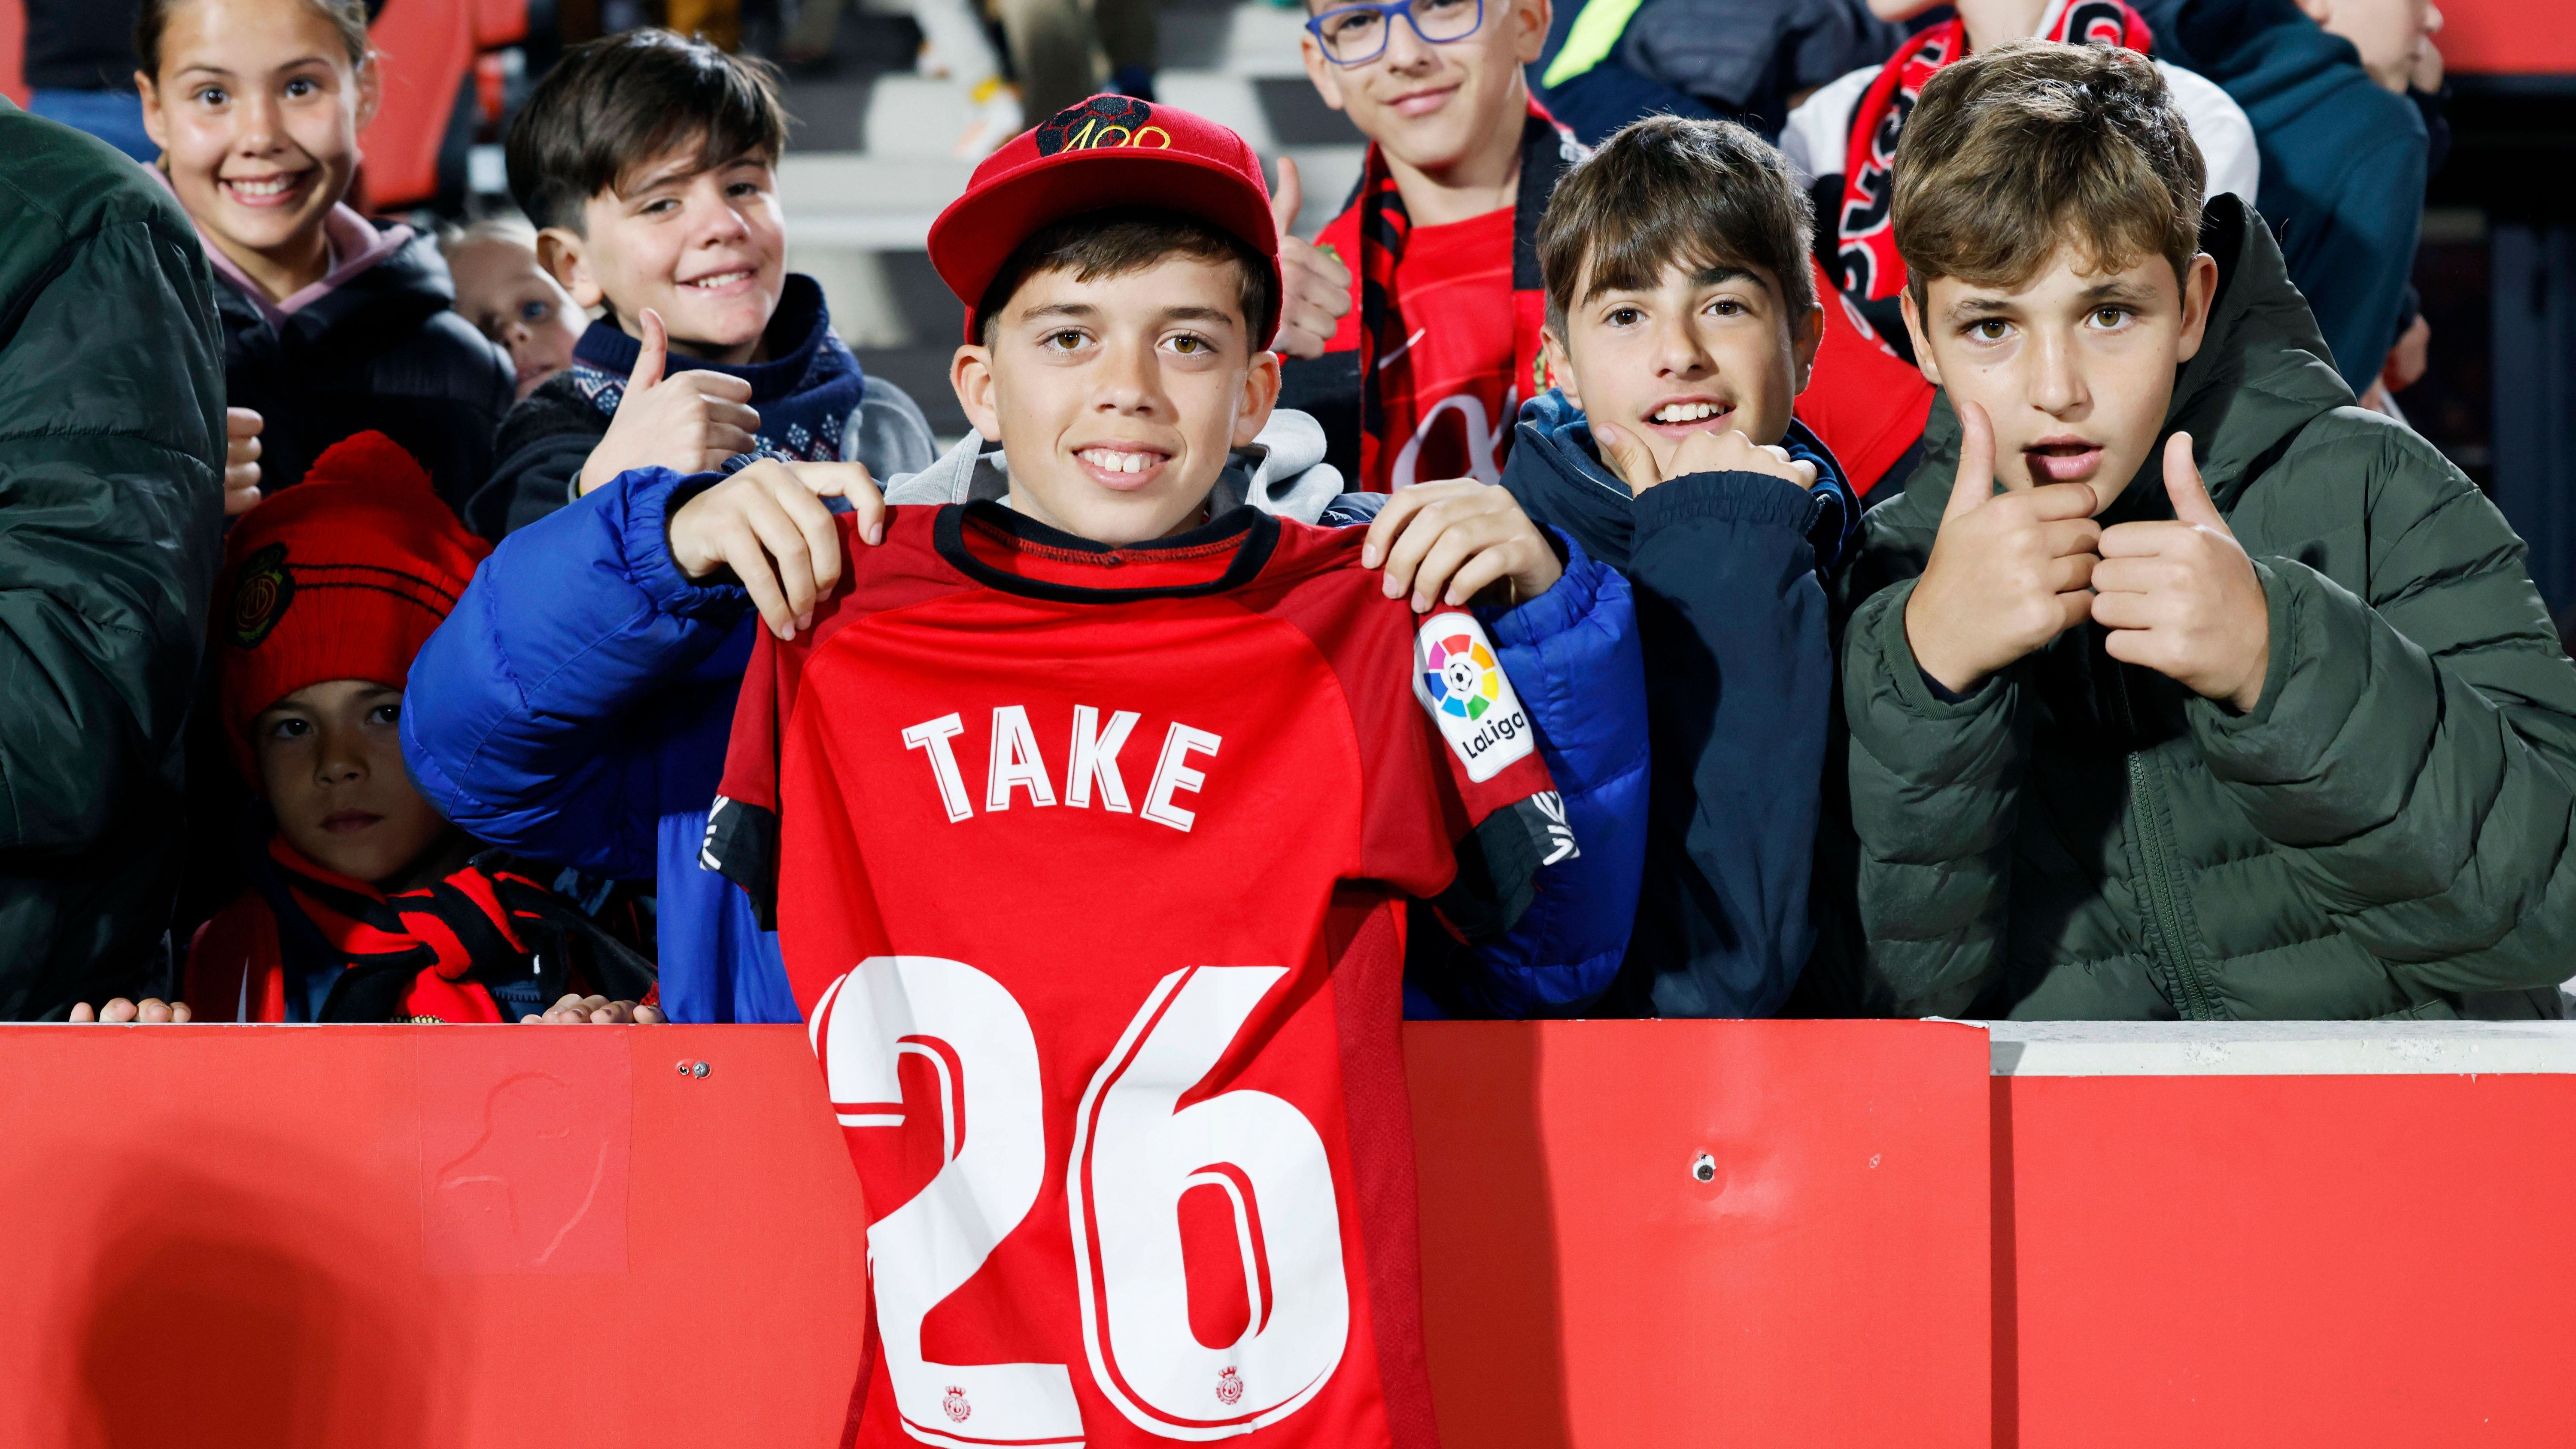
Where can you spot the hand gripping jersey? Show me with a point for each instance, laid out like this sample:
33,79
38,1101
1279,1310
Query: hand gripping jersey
1089,869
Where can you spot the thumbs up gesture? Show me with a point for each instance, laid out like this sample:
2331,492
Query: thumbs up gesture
2009,571
1318,286
688,421
2182,599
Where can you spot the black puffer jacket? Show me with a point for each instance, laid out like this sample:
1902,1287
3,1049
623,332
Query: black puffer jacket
382,350
111,504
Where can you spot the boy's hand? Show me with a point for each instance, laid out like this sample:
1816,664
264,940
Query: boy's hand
241,460
1448,542
769,525
689,421
2007,574
1628,458
2182,599
1317,290
579,1010
152,1011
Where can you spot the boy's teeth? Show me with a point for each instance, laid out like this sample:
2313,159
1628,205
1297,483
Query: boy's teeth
726,279
1687,412
1114,462
264,188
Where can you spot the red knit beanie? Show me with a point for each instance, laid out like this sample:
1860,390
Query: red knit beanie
342,576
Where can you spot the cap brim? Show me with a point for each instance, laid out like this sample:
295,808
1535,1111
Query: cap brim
978,232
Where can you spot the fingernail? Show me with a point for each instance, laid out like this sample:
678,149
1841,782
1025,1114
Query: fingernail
876,533
1368,556
1421,604
1392,588
805,620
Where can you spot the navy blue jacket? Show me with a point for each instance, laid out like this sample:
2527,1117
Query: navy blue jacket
1739,659
2343,161
576,705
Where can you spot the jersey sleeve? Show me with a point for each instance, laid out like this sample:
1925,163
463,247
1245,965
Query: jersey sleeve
742,824
1460,809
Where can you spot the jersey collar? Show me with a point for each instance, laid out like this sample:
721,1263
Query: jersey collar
1059,564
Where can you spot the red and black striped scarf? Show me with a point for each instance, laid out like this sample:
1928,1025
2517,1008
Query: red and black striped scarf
413,955
1864,234
1547,149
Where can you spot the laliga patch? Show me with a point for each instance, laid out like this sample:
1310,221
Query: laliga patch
1460,682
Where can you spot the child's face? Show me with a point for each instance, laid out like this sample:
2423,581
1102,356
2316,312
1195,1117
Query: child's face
501,289
330,763
1708,349
1118,399
2075,366
257,109
705,248
1430,105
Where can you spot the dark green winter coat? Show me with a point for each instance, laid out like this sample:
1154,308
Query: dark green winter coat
111,503
2385,834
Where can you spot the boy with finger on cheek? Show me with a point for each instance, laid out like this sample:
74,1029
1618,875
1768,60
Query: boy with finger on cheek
1682,323
2179,687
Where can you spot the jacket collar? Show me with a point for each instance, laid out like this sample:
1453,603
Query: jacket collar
798,334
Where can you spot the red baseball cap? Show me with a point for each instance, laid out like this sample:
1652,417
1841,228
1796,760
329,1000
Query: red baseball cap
1107,151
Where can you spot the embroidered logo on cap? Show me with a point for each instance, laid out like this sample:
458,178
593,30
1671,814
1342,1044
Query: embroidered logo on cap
260,595
1467,694
1103,121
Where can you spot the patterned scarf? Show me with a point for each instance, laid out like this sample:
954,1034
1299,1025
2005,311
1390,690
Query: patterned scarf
1547,149
428,954
1865,238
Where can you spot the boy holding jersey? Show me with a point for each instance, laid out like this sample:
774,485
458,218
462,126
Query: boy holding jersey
1105,797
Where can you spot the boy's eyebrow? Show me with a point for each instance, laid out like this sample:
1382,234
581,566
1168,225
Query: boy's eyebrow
1712,275
196,66
1084,312
684,170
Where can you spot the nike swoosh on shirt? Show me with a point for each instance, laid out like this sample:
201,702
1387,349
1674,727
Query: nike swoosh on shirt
1399,352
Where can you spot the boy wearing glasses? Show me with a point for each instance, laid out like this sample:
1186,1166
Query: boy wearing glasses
1411,324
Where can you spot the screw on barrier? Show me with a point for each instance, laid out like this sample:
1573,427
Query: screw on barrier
1704,1168
699,1069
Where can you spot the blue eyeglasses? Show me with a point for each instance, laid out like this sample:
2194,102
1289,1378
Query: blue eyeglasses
1356,34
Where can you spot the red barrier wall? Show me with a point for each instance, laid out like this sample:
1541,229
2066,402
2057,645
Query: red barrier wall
489,1238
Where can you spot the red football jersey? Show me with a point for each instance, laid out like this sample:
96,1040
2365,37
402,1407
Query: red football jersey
1089,868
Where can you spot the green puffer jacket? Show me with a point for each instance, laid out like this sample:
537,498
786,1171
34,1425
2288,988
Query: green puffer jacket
2386,834
111,504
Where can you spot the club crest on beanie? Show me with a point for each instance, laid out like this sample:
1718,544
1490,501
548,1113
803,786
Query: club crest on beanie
343,576
1103,152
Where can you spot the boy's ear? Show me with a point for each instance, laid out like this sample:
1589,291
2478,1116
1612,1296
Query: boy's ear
1914,330
1560,366
1260,396
564,255
371,89
2199,288
970,376
151,93
1531,17
1804,339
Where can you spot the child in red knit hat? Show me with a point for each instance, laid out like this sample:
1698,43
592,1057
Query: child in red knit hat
368,906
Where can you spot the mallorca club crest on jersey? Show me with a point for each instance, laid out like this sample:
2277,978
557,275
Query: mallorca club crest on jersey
1229,1387
1467,694
1103,121
954,1405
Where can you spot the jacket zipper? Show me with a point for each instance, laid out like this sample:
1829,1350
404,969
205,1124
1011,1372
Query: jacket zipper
2146,801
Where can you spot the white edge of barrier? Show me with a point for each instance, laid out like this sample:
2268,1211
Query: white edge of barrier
2279,1049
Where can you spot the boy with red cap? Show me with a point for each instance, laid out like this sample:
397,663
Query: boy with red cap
994,777
367,905
577,707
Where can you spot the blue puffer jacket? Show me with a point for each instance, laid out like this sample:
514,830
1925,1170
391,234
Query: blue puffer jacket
576,705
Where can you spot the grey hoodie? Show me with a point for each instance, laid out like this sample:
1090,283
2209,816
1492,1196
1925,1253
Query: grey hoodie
1282,472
